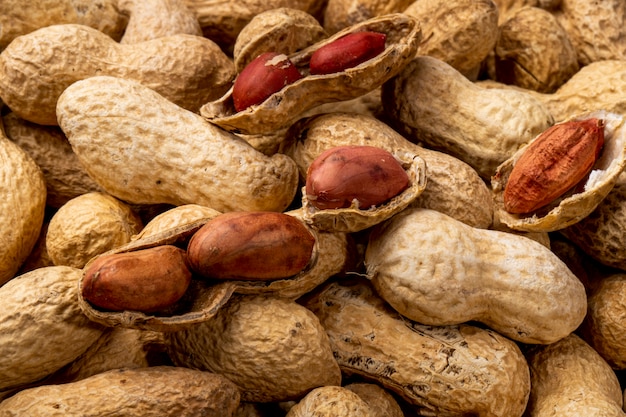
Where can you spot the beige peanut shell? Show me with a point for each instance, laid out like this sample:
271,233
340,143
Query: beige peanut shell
438,271
186,69
64,175
20,18
432,103
458,32
273,349
162,391
42,327
144,149
284,30
87,226
22,206
443,371
204,299
331,401
151,19
340,14
575,204
569,378
285,106
452,186
174,217
379,400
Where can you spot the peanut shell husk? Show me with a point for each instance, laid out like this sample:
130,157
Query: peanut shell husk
287,105
204,298
354,219
582,199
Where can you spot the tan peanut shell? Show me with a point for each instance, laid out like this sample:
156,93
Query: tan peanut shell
354,219
452,186
223,20
287,105
204,298
174,217
459,32
432,103
443,371
284,30
151,19
579,202
331,401
20,18
89,225
438,271
64,175
506,8
534,51
569,378
148,150
36,339
186,69
340,14
144,392
379,400
272,348
22,206
597,31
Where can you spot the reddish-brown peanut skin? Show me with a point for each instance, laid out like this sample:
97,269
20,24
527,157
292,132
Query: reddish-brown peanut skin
339,175
250,246
556,161
263,76
146,280
346,52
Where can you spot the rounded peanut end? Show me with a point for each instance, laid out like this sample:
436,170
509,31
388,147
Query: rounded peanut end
343,174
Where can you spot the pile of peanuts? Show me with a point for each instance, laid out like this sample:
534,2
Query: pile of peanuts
313,208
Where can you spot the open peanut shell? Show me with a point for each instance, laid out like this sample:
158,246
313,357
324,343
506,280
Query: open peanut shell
353,219
204,298
285,106
580,200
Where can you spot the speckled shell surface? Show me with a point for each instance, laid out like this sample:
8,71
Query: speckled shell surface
379,400
458,32
273,349
452,186
22,205
42,327
340,14
204,298
573,206
331,401
159,391
443,371
436,270
144,149
569,378
354,219
186,69
431,102
284,30
285,107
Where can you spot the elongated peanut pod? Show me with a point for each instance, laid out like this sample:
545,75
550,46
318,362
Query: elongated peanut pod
144,149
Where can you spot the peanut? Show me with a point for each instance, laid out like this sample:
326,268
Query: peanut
142,392
263,76
188,70
331,401
458,268
136,122
146,280
346,52
251,246
381,402
555,161
340,14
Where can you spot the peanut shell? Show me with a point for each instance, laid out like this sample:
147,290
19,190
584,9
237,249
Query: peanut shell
189,70
331,401
340,14
174,217
143,392
273,349
22,207
580,201
204,298
143,152
287,105
35,348
443,371
379,400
